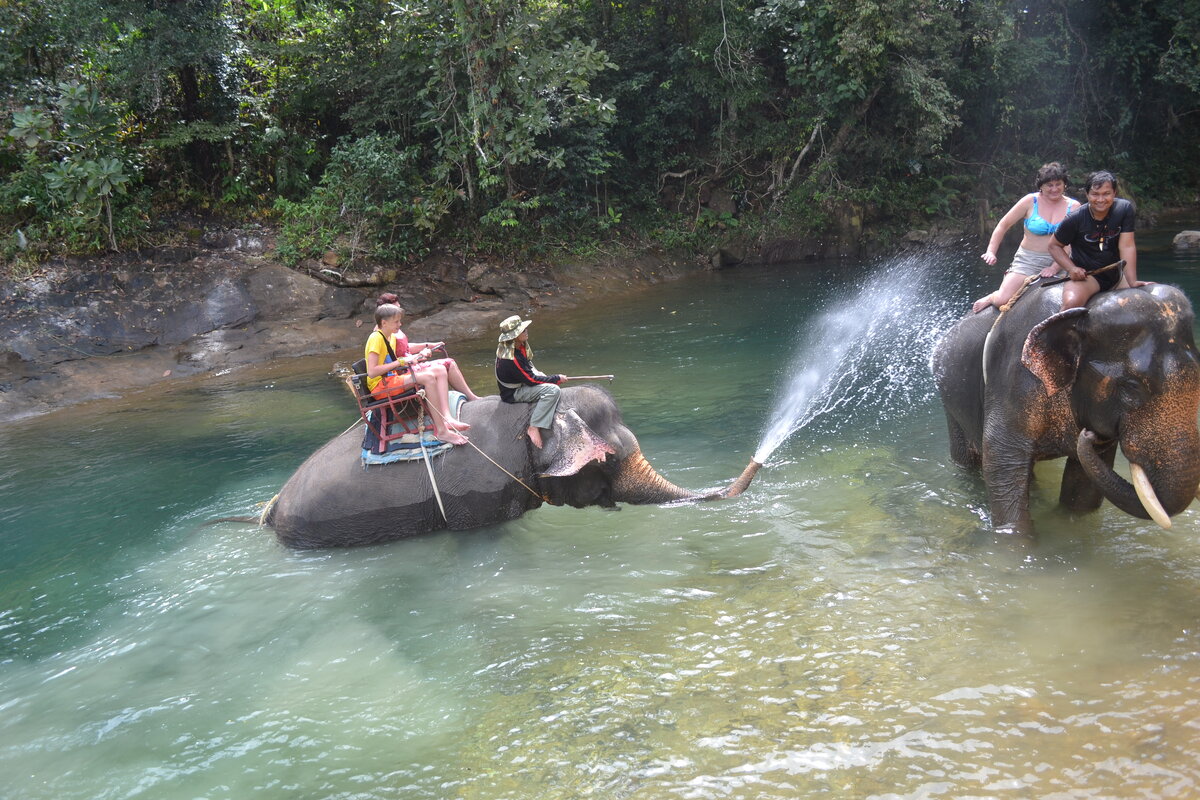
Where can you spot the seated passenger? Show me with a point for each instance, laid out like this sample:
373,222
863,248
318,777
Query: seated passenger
454,376
1100,234
519,380
386,348
1042,212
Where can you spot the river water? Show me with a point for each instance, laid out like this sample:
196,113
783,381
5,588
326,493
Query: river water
847,626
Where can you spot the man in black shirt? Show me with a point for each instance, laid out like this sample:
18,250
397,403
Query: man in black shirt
1099,233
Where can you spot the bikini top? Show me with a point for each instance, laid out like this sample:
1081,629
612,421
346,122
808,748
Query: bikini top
1040,227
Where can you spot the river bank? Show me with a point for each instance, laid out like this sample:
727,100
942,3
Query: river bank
83,329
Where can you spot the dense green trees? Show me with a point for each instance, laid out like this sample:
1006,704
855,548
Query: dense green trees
378,127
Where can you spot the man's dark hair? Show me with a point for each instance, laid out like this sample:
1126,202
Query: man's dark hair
1098,179
1053,171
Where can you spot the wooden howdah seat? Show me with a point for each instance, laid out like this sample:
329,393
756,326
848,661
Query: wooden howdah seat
392,417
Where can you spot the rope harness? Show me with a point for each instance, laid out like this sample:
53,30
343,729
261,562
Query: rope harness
541,497
1030,281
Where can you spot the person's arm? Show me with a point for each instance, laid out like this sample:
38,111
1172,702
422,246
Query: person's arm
1018,211
376,366
1058,252
1127,247
424,350
529,374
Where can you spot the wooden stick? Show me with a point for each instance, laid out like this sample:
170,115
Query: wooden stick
1063,279
587,377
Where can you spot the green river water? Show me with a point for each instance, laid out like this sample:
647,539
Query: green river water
847,627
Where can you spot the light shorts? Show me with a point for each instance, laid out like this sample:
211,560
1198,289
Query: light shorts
1028,262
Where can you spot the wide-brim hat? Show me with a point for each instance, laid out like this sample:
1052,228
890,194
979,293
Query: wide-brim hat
512,327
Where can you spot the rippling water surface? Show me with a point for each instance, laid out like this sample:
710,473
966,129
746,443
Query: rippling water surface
848,626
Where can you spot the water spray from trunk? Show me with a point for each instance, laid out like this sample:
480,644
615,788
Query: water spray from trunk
866,357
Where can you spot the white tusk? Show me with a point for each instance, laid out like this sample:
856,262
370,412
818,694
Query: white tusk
1145,493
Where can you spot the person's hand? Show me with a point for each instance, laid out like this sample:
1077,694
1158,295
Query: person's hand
1077,273
426,352
990,258
1049,272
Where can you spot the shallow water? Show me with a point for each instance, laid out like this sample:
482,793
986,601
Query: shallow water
847,626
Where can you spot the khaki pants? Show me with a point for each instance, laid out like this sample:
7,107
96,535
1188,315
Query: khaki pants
545,397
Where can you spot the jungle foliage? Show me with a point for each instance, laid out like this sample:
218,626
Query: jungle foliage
381,127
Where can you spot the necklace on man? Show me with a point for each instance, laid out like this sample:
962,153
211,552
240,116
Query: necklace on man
1101,230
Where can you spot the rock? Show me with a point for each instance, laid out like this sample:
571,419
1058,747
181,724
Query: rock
728,256
1186,240
782,251
721,201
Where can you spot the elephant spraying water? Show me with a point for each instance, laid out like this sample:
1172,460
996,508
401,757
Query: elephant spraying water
1038,384
589,458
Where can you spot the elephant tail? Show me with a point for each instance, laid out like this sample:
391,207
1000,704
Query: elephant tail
263,520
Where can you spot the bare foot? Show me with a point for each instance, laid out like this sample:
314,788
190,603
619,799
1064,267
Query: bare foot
453,437
535,436
981,304
456,425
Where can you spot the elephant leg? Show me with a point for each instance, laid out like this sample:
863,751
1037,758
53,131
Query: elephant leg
1008,470
1079,492
961,451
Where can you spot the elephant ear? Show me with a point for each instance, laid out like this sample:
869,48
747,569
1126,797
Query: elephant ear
573,446
1052,349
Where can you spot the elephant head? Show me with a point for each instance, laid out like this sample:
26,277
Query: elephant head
1132,371
610,469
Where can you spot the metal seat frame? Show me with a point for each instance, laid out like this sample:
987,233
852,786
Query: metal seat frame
392,416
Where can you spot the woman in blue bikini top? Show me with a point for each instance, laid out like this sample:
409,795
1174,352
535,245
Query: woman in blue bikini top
1032,256
1043,227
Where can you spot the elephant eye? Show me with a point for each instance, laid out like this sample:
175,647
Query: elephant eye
1133,393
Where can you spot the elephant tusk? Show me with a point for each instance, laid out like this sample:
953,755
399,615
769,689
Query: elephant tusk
1145,493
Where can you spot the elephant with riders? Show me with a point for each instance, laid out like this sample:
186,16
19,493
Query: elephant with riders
1035,382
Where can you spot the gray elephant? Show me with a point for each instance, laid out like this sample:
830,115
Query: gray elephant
1039,383
589,458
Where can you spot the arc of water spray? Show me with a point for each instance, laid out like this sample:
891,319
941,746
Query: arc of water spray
870,349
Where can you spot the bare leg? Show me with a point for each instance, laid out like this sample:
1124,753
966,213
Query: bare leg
456,380
433,378
1077,293
1008,287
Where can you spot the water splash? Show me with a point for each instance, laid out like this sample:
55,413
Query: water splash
866,357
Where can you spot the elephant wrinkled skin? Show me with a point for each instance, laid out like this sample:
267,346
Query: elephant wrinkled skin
1122,371
589,458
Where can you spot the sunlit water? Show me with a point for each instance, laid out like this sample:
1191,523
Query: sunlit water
846,627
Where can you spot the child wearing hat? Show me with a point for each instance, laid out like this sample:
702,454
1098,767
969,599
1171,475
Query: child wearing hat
520,382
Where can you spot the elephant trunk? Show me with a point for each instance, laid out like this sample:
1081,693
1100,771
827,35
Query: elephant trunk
743,480
640,484
1139,500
